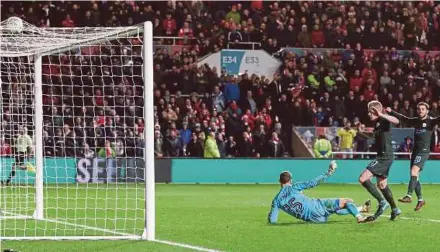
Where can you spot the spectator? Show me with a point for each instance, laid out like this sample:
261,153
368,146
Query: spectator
158,144
231,147
218,100
185,134
169,25
172,145
275,146
346,136
68,22
317,37
246,148
5,148
234,36
361,139
221,144
322,147
211,149
356,81
407,145
233,15
304,38
385,80
194,147
406,110
108,151
48,144
87,152
232,91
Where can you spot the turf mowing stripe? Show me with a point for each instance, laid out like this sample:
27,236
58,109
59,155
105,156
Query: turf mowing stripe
183,245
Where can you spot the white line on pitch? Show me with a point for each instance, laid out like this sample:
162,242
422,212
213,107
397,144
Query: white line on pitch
176,244
183,245
72,224
414,219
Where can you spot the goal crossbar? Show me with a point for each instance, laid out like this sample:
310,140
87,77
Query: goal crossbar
28,38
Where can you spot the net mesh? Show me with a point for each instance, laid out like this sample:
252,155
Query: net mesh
93,170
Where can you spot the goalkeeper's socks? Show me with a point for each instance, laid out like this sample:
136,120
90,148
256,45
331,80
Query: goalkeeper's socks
372,189
389,197
412,185
352,209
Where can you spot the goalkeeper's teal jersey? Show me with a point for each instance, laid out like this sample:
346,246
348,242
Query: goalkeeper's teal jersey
291,200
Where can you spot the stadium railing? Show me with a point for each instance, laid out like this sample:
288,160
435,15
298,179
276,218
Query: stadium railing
369,154
244,45
175,40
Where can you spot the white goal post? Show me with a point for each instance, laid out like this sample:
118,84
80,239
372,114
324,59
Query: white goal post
94,176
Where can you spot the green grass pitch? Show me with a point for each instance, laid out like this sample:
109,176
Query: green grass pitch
231,218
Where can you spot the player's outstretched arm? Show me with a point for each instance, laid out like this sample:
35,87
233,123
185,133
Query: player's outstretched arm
401,118
272,218
316,181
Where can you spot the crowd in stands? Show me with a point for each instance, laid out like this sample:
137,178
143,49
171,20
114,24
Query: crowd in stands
203,111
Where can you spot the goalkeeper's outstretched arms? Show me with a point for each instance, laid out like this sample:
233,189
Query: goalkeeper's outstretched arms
300,186
272,218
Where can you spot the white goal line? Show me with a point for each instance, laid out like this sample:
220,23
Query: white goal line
120,235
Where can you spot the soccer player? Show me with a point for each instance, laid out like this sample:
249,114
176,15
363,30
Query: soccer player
380,167
424,125
23,143
291,200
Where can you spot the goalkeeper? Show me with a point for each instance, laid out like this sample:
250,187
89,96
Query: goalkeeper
291,200
23,143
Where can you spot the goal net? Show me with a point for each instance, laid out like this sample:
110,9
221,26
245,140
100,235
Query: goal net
73,132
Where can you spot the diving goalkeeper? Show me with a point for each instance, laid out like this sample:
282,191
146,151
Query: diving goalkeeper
291,200
23,143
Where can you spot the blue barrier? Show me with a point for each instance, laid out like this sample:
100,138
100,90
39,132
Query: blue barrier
267,170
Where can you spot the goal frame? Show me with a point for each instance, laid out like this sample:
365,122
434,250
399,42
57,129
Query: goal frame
148,153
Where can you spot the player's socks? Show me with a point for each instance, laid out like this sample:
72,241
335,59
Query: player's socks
412,185
11,175
389,197
372,189
352,209
419,191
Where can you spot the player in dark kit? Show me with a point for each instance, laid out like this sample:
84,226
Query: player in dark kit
380,167
424,125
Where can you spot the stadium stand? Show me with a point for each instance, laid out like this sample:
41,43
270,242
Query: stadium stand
319,86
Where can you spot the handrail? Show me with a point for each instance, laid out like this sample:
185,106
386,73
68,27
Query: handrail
174,39
375,153
368,153
244,43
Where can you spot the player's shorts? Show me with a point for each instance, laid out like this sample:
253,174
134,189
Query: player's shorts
19,158
419,159
380,167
